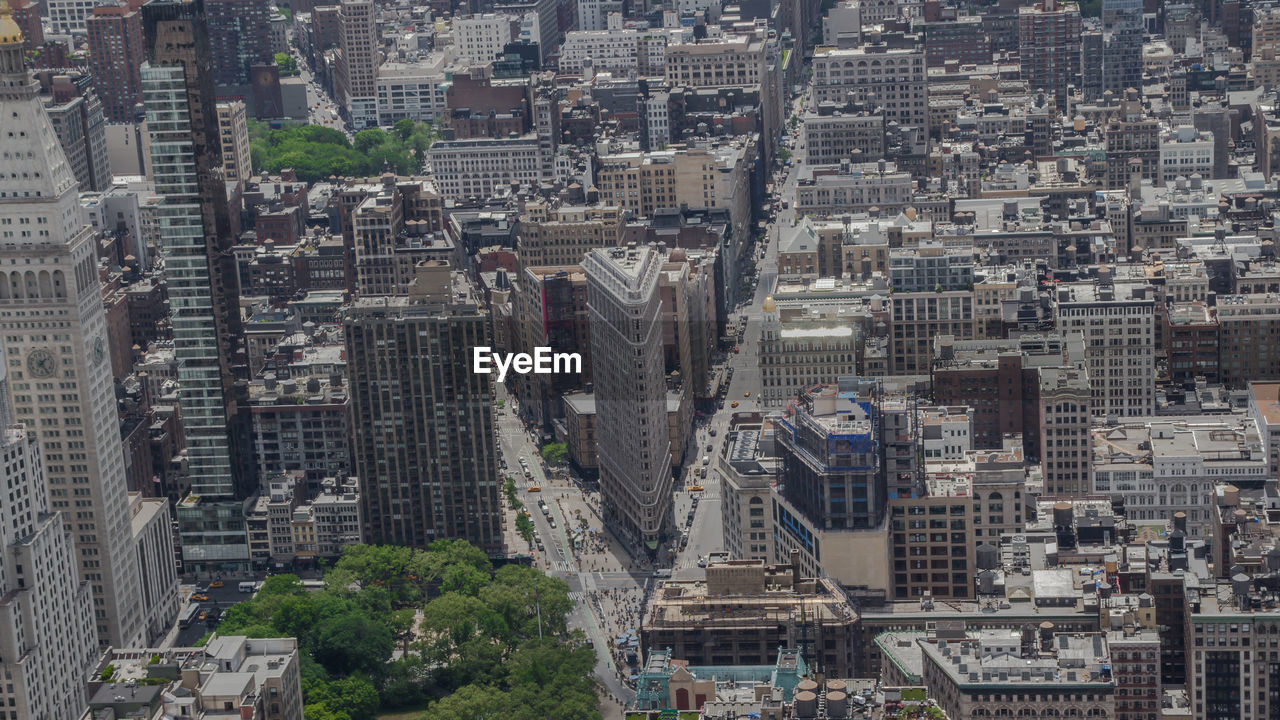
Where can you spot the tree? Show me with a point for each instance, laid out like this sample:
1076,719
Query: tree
443,553
351,643
367,140
481,647
321,711
524,526
555,453
463,578
509,487
453,619
472,703
315,152
355,695
519,594
549,679
287,64
403,572
404,684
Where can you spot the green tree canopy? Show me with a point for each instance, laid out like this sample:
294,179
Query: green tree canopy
315,152
472,703
355,695
321,711
555,453
353,642
476,651
288,66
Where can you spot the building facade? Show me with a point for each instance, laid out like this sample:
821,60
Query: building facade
356,75
49,639
1117,319
409,358
55,338
233,131
625,310
195,229
115,58
239,38
1049,46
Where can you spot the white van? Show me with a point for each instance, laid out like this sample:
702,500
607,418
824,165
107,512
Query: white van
706,459
248,586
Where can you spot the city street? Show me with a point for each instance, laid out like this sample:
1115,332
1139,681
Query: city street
608,584
321,108
620,589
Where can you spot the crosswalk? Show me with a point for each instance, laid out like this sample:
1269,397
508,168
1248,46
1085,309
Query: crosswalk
577,596
563,566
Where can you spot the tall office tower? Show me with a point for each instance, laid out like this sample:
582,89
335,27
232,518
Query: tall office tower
115,57
422,420
1121,45
54,331
47,642
624,305
357,73
200,271
239,36
1049,45
76,115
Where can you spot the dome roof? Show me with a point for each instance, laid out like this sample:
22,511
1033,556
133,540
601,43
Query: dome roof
10,33
769,305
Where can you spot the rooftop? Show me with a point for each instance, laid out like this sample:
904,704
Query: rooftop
994,659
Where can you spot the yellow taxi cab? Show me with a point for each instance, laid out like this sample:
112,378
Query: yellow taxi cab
217,584
733,404
536,488
199,597
696,488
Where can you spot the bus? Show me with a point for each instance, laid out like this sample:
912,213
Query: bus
189,615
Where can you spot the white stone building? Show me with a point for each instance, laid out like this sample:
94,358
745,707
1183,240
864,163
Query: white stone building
624,304
55,335
417,91
894,77
1157,467
1186,151
478,166
479,38
814,348
47,639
